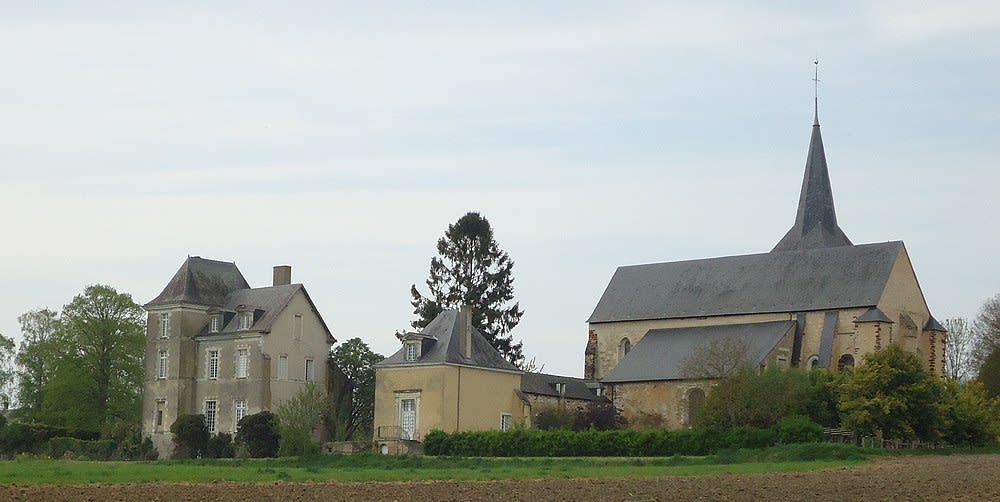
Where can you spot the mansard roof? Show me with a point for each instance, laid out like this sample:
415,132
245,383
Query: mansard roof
202,282
784,281
816,219
661,353
443,344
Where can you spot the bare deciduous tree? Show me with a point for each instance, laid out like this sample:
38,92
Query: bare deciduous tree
987,329
717,358
960,349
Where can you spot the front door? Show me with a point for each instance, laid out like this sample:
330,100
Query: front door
408,418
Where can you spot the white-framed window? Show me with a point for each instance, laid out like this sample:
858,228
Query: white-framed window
165,325
506,421
408,414
297,326
215,324
246,320
283,367
239,411
161,365
412,351
211,408
310,370
213,364
242,362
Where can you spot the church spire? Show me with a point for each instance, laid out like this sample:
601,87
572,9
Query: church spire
816,220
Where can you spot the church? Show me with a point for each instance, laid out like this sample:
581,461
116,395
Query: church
815,300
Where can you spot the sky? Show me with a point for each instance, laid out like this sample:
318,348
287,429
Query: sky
343,138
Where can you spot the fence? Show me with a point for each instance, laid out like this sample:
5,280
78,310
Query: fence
834,435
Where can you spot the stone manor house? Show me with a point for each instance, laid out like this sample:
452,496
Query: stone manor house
216,346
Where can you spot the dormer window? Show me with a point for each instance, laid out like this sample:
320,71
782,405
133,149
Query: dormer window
215,323
246,320
412,351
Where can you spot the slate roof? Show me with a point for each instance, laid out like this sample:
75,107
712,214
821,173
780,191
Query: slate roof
443,345
660,354
200,281
934,325
545,385
219,284
874,314
785,281
816,219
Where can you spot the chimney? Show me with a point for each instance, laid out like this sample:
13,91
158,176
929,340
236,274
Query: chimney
282,275
467,331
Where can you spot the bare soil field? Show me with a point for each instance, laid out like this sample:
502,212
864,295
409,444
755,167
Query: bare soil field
957,477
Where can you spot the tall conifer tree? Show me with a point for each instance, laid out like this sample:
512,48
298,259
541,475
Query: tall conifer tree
471,269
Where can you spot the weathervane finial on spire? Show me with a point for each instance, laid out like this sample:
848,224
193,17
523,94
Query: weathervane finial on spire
816,91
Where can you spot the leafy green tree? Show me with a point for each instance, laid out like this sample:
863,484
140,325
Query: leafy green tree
890,394
83,368
968,415
190,435
37,358
7,372
355,359
471,269
105,335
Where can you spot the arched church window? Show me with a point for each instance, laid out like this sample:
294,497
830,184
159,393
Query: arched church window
695,403
846,361
623,348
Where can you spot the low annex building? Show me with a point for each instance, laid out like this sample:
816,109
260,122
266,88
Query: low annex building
448,377
815,300
216,346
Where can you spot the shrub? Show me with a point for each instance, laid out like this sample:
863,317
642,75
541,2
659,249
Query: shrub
436,442
295,442
220,446
131,445
102,449
258,435
799,429
600,415
554,417
190,435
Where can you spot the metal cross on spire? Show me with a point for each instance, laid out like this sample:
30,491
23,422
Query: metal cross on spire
816,91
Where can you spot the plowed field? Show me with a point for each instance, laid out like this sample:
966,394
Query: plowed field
957,477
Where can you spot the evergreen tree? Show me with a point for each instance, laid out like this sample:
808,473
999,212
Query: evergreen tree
471,269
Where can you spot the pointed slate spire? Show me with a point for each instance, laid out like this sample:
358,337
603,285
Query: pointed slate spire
816,220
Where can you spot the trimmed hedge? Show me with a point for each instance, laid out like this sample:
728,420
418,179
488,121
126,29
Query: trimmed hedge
613,443
80,449
34,438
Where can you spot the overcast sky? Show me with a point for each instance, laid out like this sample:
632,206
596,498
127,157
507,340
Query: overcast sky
342,139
